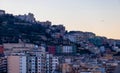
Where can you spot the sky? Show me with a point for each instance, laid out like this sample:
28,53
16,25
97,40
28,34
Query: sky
101,17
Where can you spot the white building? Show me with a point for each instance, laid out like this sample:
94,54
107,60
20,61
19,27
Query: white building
75,37
72,38
67,49
37,61
94,50
37,64
2,12
28,18
55,63
49,63
52,62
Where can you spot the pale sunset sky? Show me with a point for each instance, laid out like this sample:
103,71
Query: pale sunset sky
99,16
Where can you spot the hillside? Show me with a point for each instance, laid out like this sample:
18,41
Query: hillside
24,28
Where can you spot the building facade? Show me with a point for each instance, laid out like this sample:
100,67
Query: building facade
17,64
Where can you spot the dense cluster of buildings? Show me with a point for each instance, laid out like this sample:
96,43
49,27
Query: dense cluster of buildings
18,59
67,52
30,58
